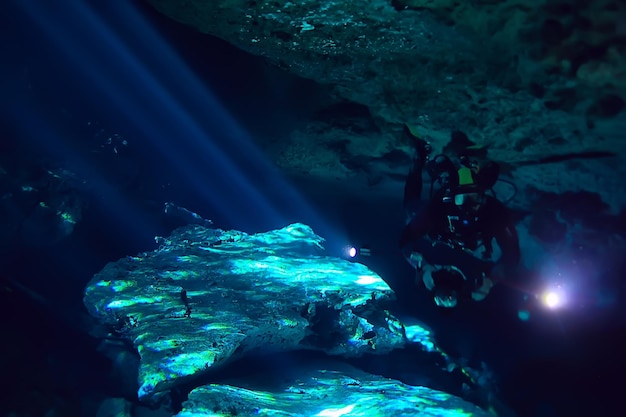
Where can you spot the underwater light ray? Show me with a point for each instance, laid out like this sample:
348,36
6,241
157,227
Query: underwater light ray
177,111
196,95
174,123
127,97
162,110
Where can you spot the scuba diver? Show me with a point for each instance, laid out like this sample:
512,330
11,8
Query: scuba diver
449,239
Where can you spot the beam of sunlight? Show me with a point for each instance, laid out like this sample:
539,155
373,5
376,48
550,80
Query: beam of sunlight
131,71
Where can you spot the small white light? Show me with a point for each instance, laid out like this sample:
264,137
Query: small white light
552,299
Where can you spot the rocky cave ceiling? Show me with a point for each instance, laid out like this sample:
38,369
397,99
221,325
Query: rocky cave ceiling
541,83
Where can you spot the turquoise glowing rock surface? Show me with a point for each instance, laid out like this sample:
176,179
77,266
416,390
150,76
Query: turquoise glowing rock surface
324,390
209,296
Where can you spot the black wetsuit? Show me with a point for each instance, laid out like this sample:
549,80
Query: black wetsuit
442,234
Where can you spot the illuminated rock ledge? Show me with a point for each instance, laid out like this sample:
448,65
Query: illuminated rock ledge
324,391
208,296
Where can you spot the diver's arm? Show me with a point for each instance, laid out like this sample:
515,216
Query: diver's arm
508,241
415,229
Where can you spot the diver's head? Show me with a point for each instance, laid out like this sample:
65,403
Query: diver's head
464,186
443,171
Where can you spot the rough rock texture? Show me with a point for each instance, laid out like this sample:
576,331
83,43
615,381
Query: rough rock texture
323,391
207,296
531,79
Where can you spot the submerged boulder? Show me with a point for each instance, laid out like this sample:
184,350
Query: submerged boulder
207,296
323,389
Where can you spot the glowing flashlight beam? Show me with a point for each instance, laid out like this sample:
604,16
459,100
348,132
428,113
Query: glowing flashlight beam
551,299
554,297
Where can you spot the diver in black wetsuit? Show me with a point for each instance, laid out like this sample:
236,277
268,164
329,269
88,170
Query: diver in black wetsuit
449,237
